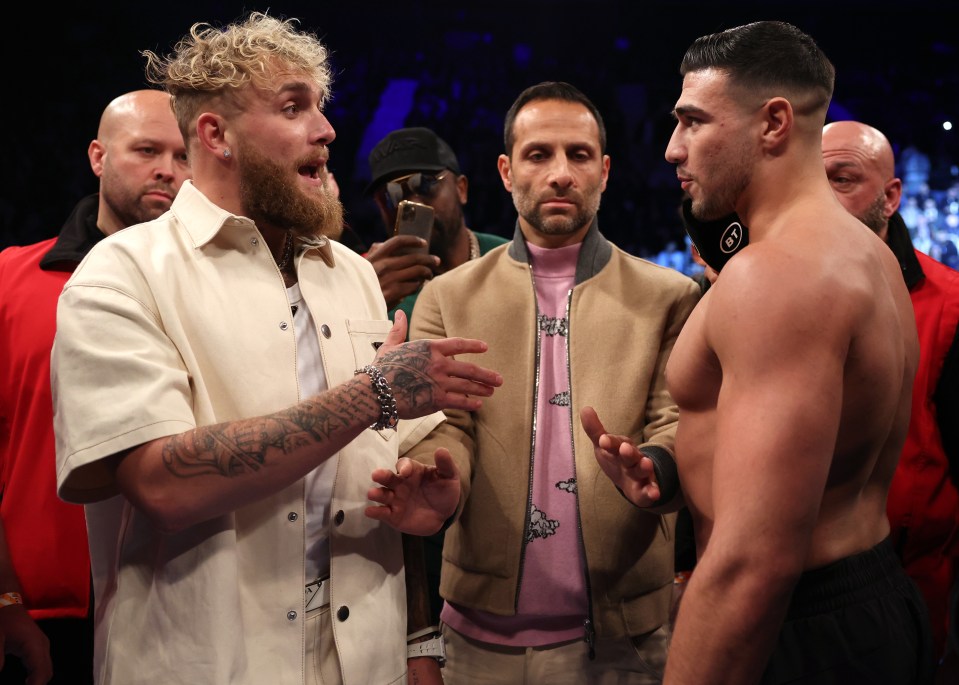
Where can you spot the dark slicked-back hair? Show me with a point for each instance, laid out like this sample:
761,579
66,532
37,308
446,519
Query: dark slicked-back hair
764,57
551,90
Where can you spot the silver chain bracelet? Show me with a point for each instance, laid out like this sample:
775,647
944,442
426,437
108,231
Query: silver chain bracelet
384,395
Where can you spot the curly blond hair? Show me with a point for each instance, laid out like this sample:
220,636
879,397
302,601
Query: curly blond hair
212,64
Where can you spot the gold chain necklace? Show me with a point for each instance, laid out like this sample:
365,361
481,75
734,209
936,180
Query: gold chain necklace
474,245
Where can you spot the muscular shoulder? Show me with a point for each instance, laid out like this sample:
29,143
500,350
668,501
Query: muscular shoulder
772,301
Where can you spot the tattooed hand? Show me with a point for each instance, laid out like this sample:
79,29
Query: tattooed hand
425,376
417,499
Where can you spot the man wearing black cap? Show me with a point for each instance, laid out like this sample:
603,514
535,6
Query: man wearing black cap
416,164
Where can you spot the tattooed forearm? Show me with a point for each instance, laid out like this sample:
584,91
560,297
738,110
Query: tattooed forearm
239,447
228,449
322,416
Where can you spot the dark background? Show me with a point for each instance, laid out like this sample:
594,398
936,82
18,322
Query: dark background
897,69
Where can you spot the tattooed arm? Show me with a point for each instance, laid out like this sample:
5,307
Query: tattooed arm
183,479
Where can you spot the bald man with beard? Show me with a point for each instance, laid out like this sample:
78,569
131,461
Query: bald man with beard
923,504
140,158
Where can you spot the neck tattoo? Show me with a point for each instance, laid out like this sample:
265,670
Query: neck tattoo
287,252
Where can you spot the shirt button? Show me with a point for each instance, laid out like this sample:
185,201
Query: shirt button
338,517
291,615
254,242
342,613
284,325
325,330
292,516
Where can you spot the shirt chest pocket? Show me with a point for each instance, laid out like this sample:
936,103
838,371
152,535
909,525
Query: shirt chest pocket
366,338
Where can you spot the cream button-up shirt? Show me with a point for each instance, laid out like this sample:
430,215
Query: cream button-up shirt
183,322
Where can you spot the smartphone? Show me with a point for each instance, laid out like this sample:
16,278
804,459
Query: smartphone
414,218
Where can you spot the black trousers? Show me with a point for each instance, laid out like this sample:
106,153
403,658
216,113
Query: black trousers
857,621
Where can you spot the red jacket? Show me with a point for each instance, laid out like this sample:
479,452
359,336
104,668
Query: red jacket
47,538
923,503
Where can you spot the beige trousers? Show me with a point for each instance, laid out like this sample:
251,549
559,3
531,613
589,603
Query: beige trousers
640,660
322,664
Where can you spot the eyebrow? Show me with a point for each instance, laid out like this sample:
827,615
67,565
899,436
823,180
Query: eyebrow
842,164
295,87
573,144
685,110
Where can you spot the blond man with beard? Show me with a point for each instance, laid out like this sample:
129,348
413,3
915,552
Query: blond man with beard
217,373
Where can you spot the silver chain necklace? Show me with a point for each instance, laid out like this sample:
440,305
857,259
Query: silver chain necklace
287,252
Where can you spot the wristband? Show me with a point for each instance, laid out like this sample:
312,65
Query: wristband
434,648
664,466
8,598
384,395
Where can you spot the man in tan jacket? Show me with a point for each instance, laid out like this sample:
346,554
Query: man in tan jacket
546,567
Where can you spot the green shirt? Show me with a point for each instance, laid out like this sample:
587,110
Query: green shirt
487,241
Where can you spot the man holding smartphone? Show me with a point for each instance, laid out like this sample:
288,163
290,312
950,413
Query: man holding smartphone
416,165
410,168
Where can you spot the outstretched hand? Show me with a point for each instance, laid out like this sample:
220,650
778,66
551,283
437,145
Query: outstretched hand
416,498
426,377
630,470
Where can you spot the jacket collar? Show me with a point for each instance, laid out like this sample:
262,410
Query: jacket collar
78,235
593,256
899,242
203,220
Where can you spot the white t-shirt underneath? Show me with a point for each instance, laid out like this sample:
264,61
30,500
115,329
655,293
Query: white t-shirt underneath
319,481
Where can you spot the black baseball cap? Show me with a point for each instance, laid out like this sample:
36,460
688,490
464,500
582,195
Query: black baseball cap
407,151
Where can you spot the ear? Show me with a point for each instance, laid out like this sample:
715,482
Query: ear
462,188
778,122
505,173
893,194
605,172
211,133
96,152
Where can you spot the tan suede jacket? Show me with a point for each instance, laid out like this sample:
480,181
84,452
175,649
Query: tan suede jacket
624,316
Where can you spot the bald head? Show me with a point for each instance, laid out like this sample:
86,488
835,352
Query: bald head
137,105
861,140
139,157
861,169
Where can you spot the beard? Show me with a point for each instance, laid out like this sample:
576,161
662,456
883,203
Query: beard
875,215
734,176
445,232
132,205
270,194
528,207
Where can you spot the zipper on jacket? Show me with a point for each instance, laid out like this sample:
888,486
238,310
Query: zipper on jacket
589,630
532,442
589,637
